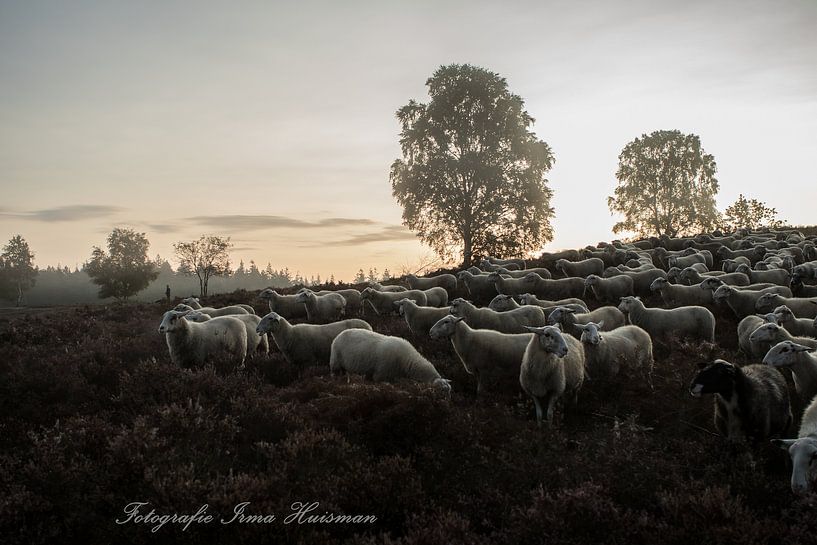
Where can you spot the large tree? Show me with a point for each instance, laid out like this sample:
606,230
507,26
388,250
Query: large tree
749,214
206,257
666,186
472,177
125,269
17,271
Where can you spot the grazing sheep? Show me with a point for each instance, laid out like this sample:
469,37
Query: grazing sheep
610,290
582,268
383,302
388,289
773,276
192,343
568,319
194,303
750,401
642,280
255,342
382,358
552,368
563,288
746,327
446,281
284,305
691,321
803,364
803,451
436,297
511,321
678,295
479,286
605,354
742,302
802,327
420,319
483,352
304,345
802,308
322,308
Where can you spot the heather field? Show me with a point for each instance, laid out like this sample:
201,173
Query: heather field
95,417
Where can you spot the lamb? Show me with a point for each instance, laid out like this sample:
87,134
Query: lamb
322,308
552,368
677,295
742,302
610,290
194,303
568,319
689,321
642,280
382,358
803,450
436,297
795,326
750,401
285,305
305,345
582,268
774,276
801,307
768,335
627,346
479,287
803,364
562,288
255,342
383,302
420,319
746,327
512,321
484,353
389,289
511,286
445,281
192,343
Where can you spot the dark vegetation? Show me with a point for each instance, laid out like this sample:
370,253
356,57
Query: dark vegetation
93,416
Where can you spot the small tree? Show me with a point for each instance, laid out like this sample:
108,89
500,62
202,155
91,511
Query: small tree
125,269
360,277
206,257
17,272
749,214
666,186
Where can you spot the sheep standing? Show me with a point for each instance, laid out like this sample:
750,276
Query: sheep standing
446,281
436,297
628,347
568,319
352,296
552,367
284,305
802,362
192,343
803,450
768,335
802,308
511,321
563,288
501,303
642,280
304,345
382,358
194,303
483,353
742,302
255,342
582,268
752,401
678,295
610,290
383,302
479,286
511,286
774,276
692,321
420,319
802,327
746,327
322,308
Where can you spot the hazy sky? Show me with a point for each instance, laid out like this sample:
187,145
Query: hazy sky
274,123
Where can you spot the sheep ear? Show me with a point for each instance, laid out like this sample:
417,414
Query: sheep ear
536,330
783,443
458,318
601,324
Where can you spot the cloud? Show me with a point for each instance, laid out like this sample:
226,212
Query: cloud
163,227
75,212
257,222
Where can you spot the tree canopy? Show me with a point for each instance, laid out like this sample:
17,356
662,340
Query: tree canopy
666,186
749,214
472,178
206,257
125,269
17,271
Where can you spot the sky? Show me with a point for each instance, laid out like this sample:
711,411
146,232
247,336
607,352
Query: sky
273,122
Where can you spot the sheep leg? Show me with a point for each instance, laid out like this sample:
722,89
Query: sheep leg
538,406
551,401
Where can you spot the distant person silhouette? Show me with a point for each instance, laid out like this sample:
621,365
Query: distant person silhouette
167,293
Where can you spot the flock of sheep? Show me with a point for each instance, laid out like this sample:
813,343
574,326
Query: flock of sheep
539,331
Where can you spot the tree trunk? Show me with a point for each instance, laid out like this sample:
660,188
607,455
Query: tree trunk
467,250
19,294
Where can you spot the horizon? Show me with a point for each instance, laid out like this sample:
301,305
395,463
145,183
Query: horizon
275,125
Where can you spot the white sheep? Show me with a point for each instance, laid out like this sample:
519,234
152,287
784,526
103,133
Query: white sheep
352,296
769,334
479,286
610,290
691,277
642,280
541,271
746,327
774,276
511,286
501,303
677,295
511,321
548,305
194,303
803,451
801,307
582,268
420,319
192,343
305,345
484,353
742,302
255,342
211,311
383,302
322,308
606,353
382,358
802,327
562,288
497,261
691,321
284,305
552,368
568,319
436,297
445,281
389,289
802,362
